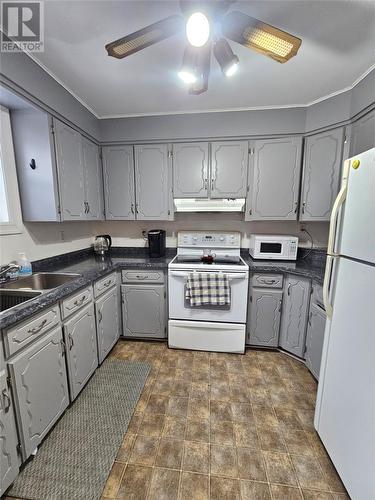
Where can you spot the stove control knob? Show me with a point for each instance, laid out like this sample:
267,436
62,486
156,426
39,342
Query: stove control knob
222,238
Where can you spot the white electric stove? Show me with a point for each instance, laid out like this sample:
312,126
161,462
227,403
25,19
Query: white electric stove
208,328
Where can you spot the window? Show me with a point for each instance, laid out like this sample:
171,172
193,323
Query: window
10,210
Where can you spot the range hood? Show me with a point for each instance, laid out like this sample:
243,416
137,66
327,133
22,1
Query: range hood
209,205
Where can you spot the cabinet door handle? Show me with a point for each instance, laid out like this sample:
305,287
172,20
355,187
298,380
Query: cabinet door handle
267,282
38,328
295,206
100,316
310,316
6,401
88,207
205,183
136,208
107,283
289,285
141,277
71,342
280,304
80,301
85,205
303,207
132,208
212,184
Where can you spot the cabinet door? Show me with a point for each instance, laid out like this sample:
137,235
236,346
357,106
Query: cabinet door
294,315
70,171
264,317
321,174
41,389
314,339
107,322
143,310
229,169
275,166
82,349
152,182
363,134
190,170
9,460
92,168
118,168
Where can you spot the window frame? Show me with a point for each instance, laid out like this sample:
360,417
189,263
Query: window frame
14,226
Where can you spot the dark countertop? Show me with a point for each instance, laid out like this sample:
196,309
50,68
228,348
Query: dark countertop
92,267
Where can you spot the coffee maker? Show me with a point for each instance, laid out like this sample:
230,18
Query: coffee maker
156,242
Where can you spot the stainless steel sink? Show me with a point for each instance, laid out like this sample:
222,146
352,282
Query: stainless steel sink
40,281
11,298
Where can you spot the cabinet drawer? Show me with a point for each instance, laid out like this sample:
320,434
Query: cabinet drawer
142,276
76,301
22,334
104,284
267,280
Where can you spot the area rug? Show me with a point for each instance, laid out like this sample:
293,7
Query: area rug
75,459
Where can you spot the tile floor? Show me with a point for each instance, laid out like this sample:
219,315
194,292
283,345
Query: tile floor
222,426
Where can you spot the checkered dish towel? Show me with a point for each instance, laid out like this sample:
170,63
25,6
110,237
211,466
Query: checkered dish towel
207,289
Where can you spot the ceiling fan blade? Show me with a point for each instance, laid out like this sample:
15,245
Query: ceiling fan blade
145,37
261,37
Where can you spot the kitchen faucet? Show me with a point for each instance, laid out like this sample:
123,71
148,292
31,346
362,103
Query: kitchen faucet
12,266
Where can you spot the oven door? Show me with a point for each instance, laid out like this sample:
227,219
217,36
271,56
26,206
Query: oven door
180,309
270,249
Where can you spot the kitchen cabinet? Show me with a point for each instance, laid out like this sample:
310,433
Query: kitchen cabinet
190,170
82,348
294,315
40,386
107,322
228,172
321,174
119,189
9,459
274,177
92,169
153,192
264,314
363,134
69,159
314,339
143,310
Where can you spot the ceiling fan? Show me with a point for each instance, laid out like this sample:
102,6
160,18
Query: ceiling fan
208,24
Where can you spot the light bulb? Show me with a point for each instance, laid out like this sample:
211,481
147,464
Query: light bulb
197,29
232,69
187,77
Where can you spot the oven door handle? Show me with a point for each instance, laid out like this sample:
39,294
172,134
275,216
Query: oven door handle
231,276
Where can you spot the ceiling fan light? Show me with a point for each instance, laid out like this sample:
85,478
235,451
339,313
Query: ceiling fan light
197,29
187,76
227,60
188,71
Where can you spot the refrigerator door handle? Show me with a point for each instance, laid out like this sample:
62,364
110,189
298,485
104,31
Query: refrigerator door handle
326,287
336,208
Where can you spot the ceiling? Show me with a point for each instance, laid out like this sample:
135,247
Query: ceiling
337,49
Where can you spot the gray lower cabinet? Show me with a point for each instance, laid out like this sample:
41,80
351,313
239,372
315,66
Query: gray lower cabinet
153,190
321,174
315,338
264,314
294,315
228,178
119,190
190,170
107,322
363,134
92,168
9,459
40,386
143,310
81,348
274,178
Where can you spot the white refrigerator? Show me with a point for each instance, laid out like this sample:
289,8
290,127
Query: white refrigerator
345,410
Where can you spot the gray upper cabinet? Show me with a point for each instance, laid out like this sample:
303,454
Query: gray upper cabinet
9,460
107,322
70,171
264,313
315,338
274,176
294,315
143,310
82,350
190,170
228,177
92,169
153,193
119,193
363,134
41,390
34,147
321,174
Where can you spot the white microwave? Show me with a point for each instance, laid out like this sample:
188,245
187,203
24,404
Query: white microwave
266,246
